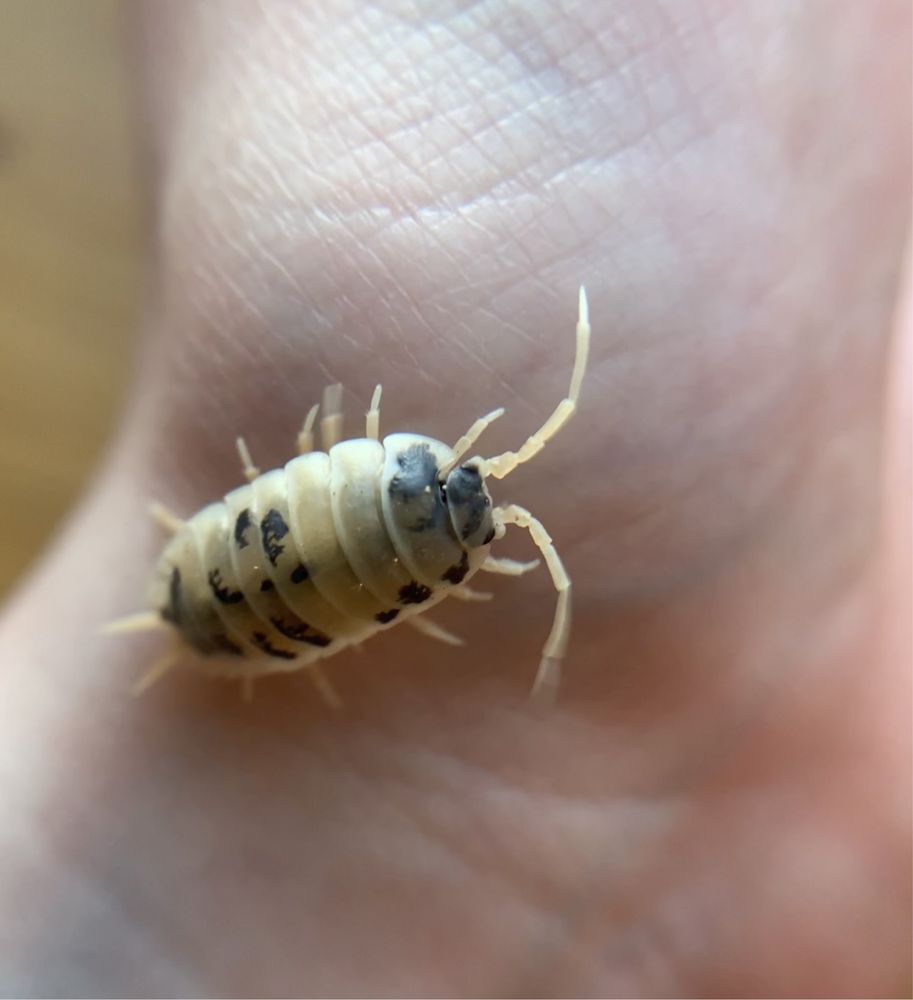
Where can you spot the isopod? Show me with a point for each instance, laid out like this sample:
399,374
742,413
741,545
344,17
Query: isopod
363,535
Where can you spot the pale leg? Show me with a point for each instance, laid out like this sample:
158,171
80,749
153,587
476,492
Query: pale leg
158,670
466,593
432,631
470,437
247,465
142,621
549,675
372,422
324,688
508,567
165,518
306,434
331,421
502,465
146,621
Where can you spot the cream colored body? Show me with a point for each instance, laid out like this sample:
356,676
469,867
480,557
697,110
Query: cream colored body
342,543
359,564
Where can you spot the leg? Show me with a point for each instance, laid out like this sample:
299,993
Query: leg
502,465
143,621
470,438
549,674
508,567
331,422
324,688
247,465
164,518
158,670
306,434
372,424
432,631
466,593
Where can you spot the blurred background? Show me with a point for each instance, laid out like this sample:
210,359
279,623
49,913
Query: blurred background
69,258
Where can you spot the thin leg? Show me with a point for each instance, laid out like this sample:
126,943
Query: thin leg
470,437
549,675
466,593
306,434
325,689
157,671
508,567
331,421
247,464
432,631
165,518
142,621
502,465
372,423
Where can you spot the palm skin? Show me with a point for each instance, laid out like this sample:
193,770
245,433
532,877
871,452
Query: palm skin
719,802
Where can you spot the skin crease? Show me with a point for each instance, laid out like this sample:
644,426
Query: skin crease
720,801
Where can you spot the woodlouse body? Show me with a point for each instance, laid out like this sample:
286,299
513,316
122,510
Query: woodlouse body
320,555
341,543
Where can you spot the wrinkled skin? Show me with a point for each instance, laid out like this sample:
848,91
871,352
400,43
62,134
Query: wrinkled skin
720,802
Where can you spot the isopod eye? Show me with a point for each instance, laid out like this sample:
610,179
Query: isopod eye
442,490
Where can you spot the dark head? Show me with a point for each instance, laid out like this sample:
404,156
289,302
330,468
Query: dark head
425,489
469,505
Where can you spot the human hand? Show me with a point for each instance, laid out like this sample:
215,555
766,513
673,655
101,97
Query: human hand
717,803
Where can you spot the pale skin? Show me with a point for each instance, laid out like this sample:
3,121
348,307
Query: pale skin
719,801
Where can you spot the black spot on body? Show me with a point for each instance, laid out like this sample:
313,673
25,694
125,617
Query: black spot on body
414,593
415,489
261,641
456,573
417,469
386,616
172,610
222,594
318,639
267,585
467,496
299,574
273,530
301,632
225,645
241,526
291,630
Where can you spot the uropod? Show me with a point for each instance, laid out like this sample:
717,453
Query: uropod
359,537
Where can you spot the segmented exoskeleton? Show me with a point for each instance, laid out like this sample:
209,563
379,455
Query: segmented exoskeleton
366,534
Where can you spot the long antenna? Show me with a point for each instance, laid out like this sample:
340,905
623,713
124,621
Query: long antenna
502,465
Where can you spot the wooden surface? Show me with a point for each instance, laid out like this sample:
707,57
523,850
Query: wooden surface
68,258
